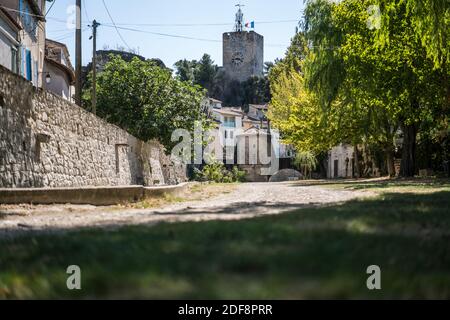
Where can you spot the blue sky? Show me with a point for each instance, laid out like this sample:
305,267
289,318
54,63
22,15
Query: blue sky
132,14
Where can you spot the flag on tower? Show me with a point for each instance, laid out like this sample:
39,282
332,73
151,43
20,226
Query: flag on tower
250,25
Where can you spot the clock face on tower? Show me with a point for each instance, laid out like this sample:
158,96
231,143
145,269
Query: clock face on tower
237,59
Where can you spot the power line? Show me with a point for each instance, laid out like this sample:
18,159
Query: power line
164,34
49,9
179,36
57,38
22,12
85,11
112,20
199,24
115,25
146,24
56,30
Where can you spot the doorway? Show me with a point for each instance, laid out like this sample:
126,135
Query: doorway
336,168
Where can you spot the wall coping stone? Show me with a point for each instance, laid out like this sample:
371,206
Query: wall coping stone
99,196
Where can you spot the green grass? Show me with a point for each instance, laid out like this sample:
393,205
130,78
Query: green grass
311,253
418,185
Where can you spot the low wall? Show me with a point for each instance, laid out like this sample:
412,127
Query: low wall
99,196
46,141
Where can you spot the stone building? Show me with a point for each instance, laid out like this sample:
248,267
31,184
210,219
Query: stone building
9,41
59,70
246,140
28,15
341,162
243,53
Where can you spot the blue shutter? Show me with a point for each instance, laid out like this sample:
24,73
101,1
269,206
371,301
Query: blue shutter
29,66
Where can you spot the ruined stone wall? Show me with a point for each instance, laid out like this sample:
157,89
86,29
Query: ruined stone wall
46,141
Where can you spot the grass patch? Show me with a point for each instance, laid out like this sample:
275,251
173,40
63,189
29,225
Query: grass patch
392,185
310,253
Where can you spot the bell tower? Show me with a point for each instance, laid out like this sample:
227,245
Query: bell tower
243,51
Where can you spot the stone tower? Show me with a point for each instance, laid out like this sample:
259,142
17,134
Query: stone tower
243,52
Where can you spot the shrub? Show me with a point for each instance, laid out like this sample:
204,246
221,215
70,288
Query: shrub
216,172
307,163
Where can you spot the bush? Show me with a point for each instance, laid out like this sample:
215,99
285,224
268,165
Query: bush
306,162
216,172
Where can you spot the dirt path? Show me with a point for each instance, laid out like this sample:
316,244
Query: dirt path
246,201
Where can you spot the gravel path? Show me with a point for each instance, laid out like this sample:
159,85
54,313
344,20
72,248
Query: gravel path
246,201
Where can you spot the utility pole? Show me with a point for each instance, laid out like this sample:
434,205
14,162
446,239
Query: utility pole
78,54
95,25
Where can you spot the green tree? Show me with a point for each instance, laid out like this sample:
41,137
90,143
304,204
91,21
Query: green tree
267,66
205,72
208,75
185,70
146,100
202,72
430,21
295,111
394,85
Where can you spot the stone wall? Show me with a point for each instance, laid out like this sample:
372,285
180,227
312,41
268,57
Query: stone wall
46,141
243,55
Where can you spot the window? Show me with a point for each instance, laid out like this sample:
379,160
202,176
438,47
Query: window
229,122
29,21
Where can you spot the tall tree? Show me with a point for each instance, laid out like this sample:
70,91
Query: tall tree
202,72
147,101
205,72
430,21
185,70
396,84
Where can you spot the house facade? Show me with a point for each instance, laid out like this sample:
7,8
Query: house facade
258,112
341,162
228,124
9,41
238,139
28,16
59,70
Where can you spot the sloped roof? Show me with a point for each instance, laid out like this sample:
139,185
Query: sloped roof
11,20
35,7
260,106
52,57
50,54
230,111
214,100
255,131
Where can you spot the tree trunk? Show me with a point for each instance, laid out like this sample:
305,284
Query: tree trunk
408,165
390,161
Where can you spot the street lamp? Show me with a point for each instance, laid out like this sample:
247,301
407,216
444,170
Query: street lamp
48,78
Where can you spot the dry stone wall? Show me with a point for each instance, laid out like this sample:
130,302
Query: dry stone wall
46,141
